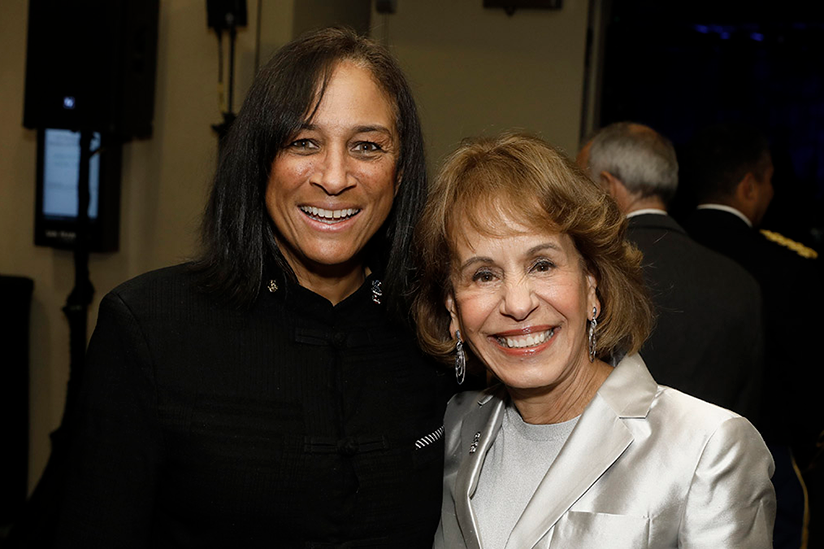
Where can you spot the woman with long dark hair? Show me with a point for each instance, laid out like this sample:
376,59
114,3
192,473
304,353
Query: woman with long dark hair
271,392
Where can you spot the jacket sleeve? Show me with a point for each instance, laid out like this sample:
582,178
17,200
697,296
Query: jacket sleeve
115,444
731,501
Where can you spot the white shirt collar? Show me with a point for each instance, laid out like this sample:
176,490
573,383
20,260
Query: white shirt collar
643,211
728,209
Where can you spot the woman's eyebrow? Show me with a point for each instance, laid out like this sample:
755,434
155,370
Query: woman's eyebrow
472,260
373,128
533,250
542,247
366,128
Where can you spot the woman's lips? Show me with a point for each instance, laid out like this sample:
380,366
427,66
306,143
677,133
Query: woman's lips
525,339
329,217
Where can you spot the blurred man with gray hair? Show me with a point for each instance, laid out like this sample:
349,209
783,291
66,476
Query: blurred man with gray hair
708,339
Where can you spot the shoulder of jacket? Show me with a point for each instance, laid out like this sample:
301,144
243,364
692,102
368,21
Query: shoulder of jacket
705,418
166,284
468,402
797,247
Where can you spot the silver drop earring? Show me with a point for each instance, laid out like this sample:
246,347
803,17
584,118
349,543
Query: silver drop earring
593,325
460,359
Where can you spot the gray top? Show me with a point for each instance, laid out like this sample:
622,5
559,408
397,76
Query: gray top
513,468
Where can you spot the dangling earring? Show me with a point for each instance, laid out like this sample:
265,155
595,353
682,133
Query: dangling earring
460,359
593,325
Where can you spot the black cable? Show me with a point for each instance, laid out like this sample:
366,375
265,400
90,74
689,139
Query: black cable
257,35
232,36
219,56
220,103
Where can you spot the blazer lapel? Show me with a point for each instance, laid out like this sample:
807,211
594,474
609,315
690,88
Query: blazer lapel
477,435
599,438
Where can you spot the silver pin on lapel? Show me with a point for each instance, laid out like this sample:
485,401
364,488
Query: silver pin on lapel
474,445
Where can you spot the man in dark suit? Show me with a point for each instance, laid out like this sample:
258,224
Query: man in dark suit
730,170
708,336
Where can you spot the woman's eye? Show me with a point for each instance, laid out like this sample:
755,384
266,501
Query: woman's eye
483,276
542,266
302,144
367,147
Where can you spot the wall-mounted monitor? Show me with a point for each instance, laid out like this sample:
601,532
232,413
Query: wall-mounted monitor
58,171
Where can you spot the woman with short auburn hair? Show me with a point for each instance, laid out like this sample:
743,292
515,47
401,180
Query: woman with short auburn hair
522,177
524,271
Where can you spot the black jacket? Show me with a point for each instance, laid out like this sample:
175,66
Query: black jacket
292,424
791,287
707,340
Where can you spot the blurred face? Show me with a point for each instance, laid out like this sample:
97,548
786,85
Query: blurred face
522,303
332,186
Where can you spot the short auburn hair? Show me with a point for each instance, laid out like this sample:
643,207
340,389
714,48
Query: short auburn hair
522,177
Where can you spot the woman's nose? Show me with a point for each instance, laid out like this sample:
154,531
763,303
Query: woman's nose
518,300
333,174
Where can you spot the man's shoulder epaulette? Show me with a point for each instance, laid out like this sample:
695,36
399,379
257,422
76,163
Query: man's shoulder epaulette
797,247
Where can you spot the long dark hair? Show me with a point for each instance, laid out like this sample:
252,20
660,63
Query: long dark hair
237,237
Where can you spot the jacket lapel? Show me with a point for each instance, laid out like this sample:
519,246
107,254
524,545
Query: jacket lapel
478,432
599,438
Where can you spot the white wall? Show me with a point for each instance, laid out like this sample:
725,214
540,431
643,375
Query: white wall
476,70
472,69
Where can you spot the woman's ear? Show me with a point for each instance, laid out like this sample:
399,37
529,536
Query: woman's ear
454,324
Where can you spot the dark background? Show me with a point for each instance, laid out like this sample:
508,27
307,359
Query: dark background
679,67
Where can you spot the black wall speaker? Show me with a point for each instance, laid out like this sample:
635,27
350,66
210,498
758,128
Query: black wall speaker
91,65
15,293
224,14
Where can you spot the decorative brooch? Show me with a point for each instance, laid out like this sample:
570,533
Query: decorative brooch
377,292
474,446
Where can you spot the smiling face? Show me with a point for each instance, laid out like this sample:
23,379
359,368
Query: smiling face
522,302
332,186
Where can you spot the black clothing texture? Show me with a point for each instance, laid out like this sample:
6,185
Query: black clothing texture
791,289
708,336
792,411
292,424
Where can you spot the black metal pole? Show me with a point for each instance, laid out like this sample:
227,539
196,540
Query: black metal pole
223,128
232,38
80,298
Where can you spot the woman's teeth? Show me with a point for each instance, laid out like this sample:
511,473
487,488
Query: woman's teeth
524,341
329,216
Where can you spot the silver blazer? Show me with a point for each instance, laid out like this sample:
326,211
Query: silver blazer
646,466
